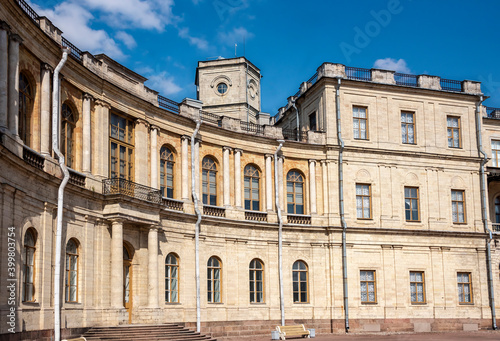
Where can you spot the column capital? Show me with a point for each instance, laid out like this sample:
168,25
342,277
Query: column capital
185,137
88,96
16,37
154,228
115,221
141,121
312,161
47,67
154,127
269,155
229,149
237,150
102,103
281,157
4,26
323,162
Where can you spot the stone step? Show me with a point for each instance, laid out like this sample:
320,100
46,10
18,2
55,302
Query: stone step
164,332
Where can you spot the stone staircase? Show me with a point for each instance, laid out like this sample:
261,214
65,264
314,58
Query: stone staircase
171,332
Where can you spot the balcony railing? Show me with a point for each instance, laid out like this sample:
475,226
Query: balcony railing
450,85
291,134
298,219
212,118
496,227
493,112
76,178
168,104
33,158
131,189
75,51
214,211
255,216
29,11
358,73
172,204
405,79
252,127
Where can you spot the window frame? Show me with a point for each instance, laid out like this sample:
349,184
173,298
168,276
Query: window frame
406,126
294,193
299,281
68,271
452,129
416,283
453,207
250,189
169,278
32,267
313,117
68,125
417,198
469,283
255,292
363,196
25,108
209,170
128,144
211,279
360,119
165,160
497,209
495,154
367,291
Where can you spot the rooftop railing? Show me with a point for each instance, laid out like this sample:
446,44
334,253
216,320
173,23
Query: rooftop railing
405,79
450,85
493,112
252,127
358,73
131,189
29,11
75,51
33,158
168,104
212,118
291,134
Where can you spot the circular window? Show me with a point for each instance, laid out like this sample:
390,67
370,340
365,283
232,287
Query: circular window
222,88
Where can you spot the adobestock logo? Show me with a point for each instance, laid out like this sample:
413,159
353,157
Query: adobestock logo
363,37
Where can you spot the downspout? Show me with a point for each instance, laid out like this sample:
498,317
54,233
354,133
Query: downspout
60,194
341,204
280,231
485,212
297,119
197,226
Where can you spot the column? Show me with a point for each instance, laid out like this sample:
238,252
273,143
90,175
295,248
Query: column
185,167
45,117
269,182
281,184
100,153
86,143
13,86
312,186
154,155
4,70
117,264
225,161
141,151
153,268
237,177
197,169
324,168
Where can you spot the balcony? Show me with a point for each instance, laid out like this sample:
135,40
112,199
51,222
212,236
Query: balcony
495,227
255,216
131,189
299,219
214,211
172,204
33,158
76,178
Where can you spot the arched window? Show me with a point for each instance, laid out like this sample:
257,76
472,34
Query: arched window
256,281
25,107
295,192
251,179
166,172
68,123
497,210
29,266
214,268
71,271
209,181
171,278
300,282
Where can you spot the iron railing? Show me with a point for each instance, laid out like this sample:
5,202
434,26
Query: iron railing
451,85
33,158
75,51
29,11
131,189
255,216
291,134
493,112
357,73
168,104
496,227
173,204
76,178
405,79
313,79
211,118
214,211
252,127
298,219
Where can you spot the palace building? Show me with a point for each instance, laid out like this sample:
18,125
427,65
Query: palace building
387,185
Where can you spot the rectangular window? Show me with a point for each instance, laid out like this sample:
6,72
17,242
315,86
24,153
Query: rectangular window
464,281
458,206
408,127
312,122
453,124
411,204
121,148
417,287
363,201
360,123
495,153
368,286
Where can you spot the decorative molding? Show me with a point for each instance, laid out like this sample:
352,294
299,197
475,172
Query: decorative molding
16,37
102,103
219,78
88,96
227,148
141,121
47,67
4,26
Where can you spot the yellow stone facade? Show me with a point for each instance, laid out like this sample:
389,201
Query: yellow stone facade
103,217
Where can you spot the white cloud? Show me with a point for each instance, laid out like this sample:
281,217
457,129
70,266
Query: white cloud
127,39
163,83
237,35
392,64
200,43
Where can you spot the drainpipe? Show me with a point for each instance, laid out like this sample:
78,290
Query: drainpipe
280,233
297,119
341,204
197,226
60,194
485,212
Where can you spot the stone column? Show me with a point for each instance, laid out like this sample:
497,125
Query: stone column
4,69
269,182
312,186
45,116
281,183
117,264
237,177
86,143
225,165
197,169
154,155
141,152
100,134
324,167
153,268
185,167
13,86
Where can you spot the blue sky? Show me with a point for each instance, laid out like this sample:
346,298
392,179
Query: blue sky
163,39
